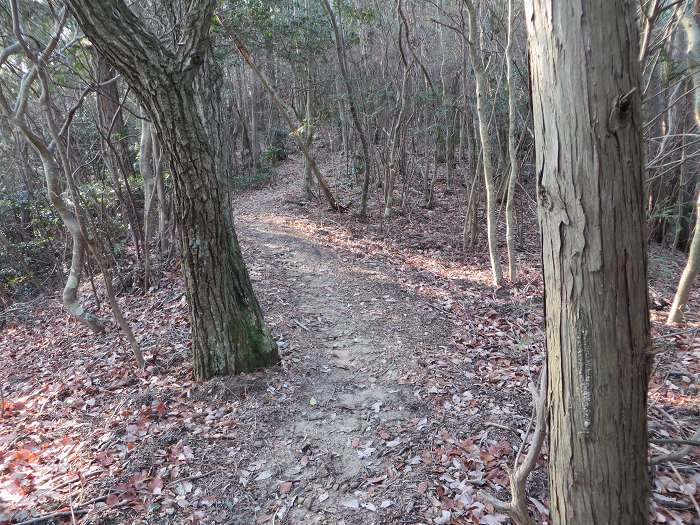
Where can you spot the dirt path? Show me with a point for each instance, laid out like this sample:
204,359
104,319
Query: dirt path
347,356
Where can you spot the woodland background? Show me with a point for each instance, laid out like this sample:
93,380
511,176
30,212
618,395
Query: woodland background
380,167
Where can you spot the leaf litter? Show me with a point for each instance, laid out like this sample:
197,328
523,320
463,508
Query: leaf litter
403,390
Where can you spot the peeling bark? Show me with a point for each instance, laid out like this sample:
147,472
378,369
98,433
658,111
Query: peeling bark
587,121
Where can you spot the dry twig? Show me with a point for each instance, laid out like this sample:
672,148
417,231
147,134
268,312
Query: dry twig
516,508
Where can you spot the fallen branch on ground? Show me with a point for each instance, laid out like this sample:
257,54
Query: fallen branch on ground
63,513
694,441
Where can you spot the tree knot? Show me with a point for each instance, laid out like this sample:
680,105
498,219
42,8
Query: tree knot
544,199
621,112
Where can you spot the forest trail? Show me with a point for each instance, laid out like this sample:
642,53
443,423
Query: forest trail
395,354
402,391
351,348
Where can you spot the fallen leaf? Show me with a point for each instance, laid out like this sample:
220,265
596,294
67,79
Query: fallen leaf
376,480
265,474
156,485
352,504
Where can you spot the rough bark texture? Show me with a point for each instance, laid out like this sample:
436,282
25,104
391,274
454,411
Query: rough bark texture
586,103
160,190
180,90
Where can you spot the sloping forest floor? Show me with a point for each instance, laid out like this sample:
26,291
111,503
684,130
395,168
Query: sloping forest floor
403,389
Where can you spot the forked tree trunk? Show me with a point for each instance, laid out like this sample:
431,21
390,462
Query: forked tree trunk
586,100
451,131
481,89
180,89
357,122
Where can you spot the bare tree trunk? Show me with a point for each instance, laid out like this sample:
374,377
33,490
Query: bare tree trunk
255,142
149,194
396,137
472,161
690,272
450,145
481,87
308,137
470,232
692,267
357,122
344,126
512,151
427,179
69,218
116,146
587,122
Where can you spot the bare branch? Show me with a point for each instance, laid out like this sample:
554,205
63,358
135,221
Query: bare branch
516,508
694,441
